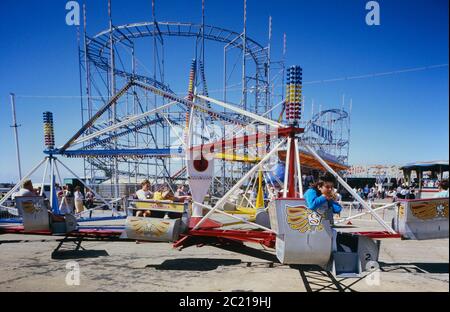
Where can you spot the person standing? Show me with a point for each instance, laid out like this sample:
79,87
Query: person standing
366,191
66,201
90,197
79,198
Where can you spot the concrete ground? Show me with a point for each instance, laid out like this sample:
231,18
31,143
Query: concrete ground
27,265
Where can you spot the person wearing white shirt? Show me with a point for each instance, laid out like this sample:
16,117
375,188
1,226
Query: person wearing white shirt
67,202
143,194
78,197
25,190
404,192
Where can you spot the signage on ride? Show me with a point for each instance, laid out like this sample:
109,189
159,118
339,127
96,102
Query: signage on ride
152,229
423,219
303,236
34,212
323,132
200,175
302,219
425,210
158,205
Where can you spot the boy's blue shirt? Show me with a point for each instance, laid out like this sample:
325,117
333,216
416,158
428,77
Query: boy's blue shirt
314,201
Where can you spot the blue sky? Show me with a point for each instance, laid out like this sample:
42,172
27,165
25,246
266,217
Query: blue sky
396,118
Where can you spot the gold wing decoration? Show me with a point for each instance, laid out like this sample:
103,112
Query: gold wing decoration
443,210
29,207
149,227
430,210
303,219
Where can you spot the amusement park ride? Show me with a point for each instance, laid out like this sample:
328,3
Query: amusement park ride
256,142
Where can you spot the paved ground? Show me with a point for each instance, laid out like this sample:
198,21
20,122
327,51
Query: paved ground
27,265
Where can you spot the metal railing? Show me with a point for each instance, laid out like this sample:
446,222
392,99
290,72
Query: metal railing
355,211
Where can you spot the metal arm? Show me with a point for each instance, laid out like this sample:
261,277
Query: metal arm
221,201
253,116
350,190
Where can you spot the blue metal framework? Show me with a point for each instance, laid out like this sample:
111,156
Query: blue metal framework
102,60
131,153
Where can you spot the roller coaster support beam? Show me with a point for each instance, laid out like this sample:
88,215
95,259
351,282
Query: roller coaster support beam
188,103
123,123
241,111
96,116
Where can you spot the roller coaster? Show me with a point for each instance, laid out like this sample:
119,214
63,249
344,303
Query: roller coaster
99,56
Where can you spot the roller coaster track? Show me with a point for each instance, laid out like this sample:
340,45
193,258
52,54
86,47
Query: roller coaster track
98,52
98,46
339,113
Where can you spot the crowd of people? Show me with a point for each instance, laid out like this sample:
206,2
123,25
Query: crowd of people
373,193
403,191
430,183
68,201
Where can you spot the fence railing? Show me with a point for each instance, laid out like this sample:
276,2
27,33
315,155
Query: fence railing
354,210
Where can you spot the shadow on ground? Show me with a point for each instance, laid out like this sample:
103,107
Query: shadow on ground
317,279
78,254
248,251
70,248
193,264
415,267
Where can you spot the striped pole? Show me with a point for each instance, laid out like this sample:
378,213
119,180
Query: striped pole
294,95
190,96
49,135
